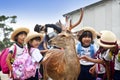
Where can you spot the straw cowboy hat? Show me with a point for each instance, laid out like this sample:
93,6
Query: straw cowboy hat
18,30
108,39
32,35
89,29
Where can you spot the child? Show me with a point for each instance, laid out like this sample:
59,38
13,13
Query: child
33,40
98,69
18,37
43,47
109,40
85,47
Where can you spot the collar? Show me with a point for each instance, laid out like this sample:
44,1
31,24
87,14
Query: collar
21,46
85,46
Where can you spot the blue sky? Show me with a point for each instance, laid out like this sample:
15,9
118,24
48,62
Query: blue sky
31,12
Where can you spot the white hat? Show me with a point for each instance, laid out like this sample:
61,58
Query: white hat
101,32
108,39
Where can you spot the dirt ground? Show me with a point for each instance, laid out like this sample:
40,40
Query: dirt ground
3,76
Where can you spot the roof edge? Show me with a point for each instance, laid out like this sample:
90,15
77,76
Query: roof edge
69,13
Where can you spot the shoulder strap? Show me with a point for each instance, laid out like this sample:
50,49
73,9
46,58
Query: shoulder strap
79,48
112,64
91,50
31,50
100,50
15,49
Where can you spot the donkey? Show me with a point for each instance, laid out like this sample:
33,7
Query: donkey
63,63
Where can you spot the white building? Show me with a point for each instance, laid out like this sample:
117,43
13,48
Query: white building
102,15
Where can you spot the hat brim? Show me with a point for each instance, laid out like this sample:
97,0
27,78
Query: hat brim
91,30
18,30
28,38
104,45
118,41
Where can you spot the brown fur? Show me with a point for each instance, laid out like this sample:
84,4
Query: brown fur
62,64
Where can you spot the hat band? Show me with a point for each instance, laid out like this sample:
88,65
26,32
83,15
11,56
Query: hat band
108,43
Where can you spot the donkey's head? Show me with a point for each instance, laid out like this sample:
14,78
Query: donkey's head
65,38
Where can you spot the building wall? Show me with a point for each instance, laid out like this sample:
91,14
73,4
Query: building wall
102,16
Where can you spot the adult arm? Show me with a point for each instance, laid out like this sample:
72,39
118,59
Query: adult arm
55,27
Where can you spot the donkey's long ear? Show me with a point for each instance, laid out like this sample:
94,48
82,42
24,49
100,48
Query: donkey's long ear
79,21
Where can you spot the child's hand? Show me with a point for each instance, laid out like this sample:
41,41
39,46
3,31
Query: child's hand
92,70
84,57
11,75
78,57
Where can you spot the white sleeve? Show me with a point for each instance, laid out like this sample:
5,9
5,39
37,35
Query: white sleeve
36,55
11,49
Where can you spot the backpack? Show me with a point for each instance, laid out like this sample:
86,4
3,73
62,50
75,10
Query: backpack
23,66
91,49
3,56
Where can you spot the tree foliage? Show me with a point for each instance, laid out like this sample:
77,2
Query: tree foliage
6,30
1,45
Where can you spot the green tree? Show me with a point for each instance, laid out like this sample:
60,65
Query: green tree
1,45
6,29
